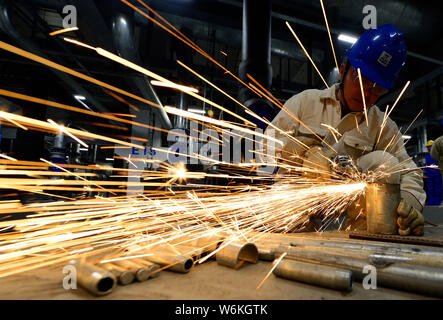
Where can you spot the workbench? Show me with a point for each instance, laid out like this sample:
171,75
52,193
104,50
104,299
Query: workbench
205,281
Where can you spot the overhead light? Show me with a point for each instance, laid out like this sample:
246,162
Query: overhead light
109,159
80,99
347,38
173,85
200,111
83,149
406,137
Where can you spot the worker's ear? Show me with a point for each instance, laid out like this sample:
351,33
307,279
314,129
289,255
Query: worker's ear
342,69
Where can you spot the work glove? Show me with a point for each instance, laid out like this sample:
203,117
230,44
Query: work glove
317,163
376,163
291,154
410,220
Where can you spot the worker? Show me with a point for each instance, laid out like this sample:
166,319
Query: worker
380,55
433,178
437,152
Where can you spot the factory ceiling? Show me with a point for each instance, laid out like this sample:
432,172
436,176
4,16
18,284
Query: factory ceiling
215,25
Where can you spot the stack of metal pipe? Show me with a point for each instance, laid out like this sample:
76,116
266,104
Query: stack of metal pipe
334,263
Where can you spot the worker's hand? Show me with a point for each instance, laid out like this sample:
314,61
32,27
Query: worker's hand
410,220
316,163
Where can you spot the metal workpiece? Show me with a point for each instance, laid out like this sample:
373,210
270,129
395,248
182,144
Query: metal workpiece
154,270
315,274
233,253
382,201
96,280
206,244
140,272
194,252
419,279
266,253
409,258
379,247
123,276
389,238
348,262
413,256
397,275
172,262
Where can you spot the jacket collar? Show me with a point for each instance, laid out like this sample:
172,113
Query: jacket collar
330,93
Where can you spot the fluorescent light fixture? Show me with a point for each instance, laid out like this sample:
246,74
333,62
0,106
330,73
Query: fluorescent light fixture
109,159
79,97
173,85
347,38
200,111
406,137
83,149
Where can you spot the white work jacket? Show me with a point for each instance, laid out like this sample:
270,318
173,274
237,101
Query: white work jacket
317,109
437,151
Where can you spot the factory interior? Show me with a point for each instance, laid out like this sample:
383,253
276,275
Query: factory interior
221,150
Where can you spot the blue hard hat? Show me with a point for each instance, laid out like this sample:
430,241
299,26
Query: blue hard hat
380,54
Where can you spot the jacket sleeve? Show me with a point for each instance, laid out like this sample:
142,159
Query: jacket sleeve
287,121
436,151
411,181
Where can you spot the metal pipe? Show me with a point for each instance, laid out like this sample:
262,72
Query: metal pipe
207,243
382,201
124,276
154,270
233,253
195,253
413,259
140,272
266,253
165,256
172,262
94,279
345,243
316,274
400,276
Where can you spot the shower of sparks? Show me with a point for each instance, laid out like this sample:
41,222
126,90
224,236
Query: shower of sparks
275,265
109,225
175,209
63,31
7,157
363,96
62,129
390,110
306,53
173,86
329,34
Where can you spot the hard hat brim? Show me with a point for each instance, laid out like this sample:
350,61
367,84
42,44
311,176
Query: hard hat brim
370,73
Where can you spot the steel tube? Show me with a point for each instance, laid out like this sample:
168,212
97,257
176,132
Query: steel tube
401,276
316,274
194,252
206,243
140,272
96,280
173,262
266,253
233,253
123,276
152,268
382,201
371,246
413,259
